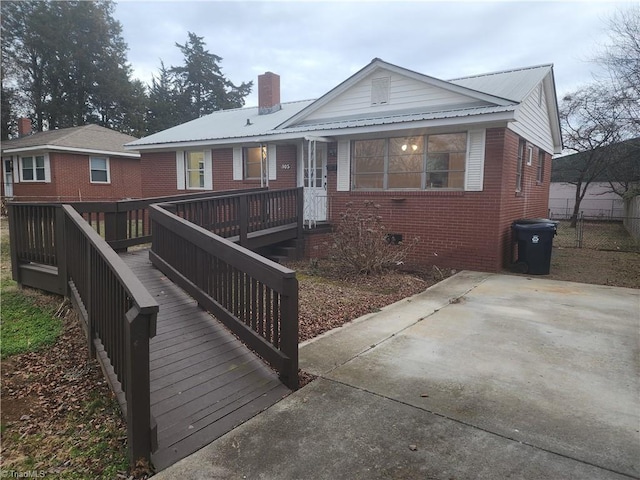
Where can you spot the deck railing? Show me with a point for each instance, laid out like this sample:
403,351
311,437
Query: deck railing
117,313
68,249
255,298
237,215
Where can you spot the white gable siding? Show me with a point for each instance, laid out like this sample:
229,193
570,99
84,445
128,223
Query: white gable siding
533,121
405,93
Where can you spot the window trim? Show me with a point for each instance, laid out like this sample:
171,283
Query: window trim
529,155
522,145
424,173
540,167
46,168
108,170
264,160
187,170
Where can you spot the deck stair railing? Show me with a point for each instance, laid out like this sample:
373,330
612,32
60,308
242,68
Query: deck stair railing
54,248
254,297
68,249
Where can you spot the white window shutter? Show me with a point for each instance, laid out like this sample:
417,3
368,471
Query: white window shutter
474,173
16,169
180,169
47,168
271,158
344,166
237,163
208,170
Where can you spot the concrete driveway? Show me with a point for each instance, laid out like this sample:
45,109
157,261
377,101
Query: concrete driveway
480,377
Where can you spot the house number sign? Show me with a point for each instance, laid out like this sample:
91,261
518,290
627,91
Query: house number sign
285,166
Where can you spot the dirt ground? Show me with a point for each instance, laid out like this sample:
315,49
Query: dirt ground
600,267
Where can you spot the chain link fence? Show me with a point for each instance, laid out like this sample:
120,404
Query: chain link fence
594,234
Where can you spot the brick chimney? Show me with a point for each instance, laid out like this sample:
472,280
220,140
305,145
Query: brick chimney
268,93
24,127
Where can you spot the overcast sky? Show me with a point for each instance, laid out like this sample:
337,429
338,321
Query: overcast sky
314,46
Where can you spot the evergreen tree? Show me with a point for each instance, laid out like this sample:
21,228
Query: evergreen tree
69,62
200,86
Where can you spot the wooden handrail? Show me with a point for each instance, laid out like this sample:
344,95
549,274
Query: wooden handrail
254,297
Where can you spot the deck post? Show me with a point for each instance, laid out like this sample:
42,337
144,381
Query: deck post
13,243
115,227
61,250
300,218
289,332
140,429
244,220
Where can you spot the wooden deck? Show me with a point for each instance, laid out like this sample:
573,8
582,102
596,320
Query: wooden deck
204,381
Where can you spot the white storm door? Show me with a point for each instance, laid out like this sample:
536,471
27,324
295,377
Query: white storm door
8,178
315,182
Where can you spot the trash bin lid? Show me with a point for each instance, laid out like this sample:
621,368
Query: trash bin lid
530,221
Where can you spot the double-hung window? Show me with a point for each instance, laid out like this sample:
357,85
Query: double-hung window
33,169
99,169
255,162
194,163
540,177
522,147
422,162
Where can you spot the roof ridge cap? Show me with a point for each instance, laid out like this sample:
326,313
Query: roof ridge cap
510,70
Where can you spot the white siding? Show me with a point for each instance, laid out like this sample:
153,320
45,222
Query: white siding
237,163
533,121
271,158
405,93
180,170
474,173
344,166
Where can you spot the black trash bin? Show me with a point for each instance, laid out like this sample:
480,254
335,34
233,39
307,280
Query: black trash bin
535,243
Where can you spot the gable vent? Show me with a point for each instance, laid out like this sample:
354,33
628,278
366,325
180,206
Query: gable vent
380,90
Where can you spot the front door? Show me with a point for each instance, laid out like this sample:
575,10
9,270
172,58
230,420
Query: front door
8,178
315,182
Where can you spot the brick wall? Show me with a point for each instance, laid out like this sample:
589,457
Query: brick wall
463,230
159,176
70,180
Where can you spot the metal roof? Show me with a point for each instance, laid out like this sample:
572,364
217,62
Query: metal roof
89,138
246,123
512,84
224,124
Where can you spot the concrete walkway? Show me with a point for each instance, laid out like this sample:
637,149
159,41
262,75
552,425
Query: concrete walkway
480,377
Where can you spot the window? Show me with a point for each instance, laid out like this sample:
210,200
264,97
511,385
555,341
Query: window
99,167
33,169
415,162
255,165
540,177
194,169
520,166
529,156
446,156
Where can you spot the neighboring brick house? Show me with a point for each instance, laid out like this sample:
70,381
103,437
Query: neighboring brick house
452,162
84,163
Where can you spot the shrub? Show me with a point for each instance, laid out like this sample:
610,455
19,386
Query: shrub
361,242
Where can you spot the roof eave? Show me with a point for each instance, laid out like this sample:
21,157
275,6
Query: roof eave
57,148
278,136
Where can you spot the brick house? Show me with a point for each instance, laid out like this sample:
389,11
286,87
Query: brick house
452,162
70,164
